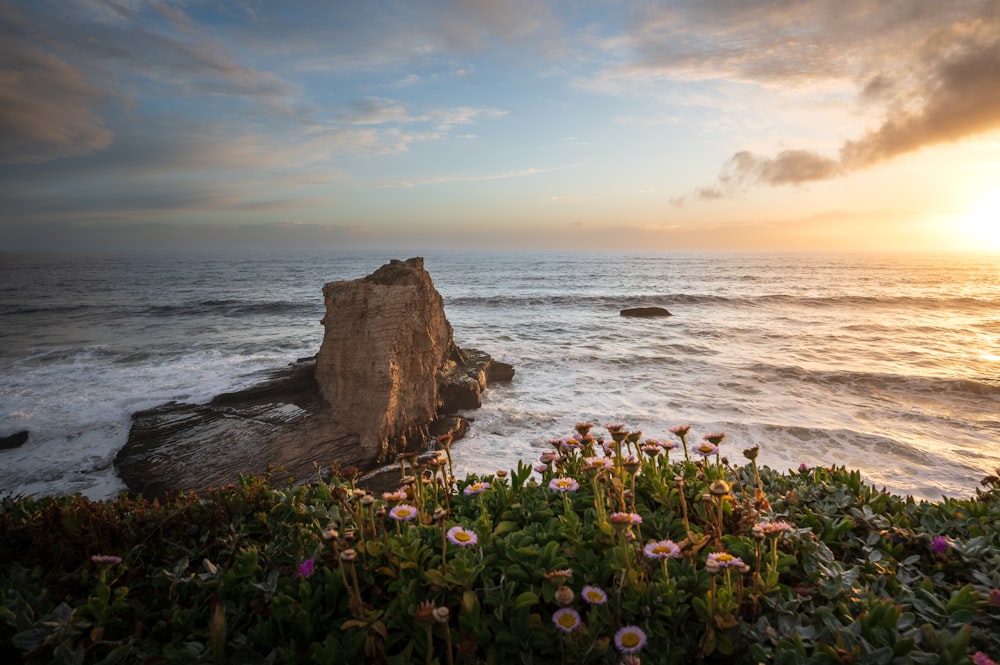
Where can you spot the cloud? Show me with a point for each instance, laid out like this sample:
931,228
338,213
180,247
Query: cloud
374,111
46,104
438,180
928,73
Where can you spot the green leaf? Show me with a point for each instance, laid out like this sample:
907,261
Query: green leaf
525,600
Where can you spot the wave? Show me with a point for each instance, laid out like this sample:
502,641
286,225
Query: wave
965,304
988,387
230,308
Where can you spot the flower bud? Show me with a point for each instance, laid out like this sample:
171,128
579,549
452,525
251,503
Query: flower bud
564,596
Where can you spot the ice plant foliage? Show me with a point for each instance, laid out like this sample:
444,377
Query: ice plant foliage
632,555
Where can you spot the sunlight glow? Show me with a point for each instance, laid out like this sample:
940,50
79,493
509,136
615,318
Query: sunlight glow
982,223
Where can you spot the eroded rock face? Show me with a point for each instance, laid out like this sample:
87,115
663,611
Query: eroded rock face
386,343
388,378
645,312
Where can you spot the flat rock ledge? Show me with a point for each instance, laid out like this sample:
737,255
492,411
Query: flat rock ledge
388,379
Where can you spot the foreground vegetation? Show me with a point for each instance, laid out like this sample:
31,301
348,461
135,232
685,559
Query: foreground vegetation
613,548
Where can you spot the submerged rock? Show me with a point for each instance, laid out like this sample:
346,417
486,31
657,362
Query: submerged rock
388,378
14,440
645,312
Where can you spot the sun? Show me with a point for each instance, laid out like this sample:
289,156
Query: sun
982,224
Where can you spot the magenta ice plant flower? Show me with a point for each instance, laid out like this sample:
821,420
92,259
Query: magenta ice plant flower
594,595
307,568
566,619
939,545
630,639
980,658
462,537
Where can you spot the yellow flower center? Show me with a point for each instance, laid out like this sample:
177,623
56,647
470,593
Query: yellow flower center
403,512
630,640
463,536
567,620
724,558
661,549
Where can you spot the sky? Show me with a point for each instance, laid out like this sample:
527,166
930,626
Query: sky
500,124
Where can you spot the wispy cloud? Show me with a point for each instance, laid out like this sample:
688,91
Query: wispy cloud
438,180
926,73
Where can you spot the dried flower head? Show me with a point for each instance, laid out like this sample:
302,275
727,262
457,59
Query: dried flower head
564,596
559,576
348,555
398,495
719,488
425,611
441,614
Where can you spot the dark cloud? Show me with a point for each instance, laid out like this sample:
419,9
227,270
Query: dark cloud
934,77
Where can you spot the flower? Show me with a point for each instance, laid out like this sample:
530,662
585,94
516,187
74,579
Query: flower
723,560
715,438
594,595
106,558
559,576
563,485
772,528
614,428
651,449
549,456
541,468
566,619
398,495
630,639
706,448
598,463
803,468
476,488
980,658
425,611
403,512
680,430
307,568
626,518
662,549
564,596
939,545
994,598
462,537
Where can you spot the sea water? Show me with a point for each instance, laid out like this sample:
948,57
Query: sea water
885,363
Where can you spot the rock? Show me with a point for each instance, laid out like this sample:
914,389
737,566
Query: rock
14,440
645,312
388,378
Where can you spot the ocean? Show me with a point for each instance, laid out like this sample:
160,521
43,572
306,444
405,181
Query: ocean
889,364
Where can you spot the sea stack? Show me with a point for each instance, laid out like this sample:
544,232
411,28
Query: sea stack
387,379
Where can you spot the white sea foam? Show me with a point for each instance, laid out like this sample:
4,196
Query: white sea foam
886,364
